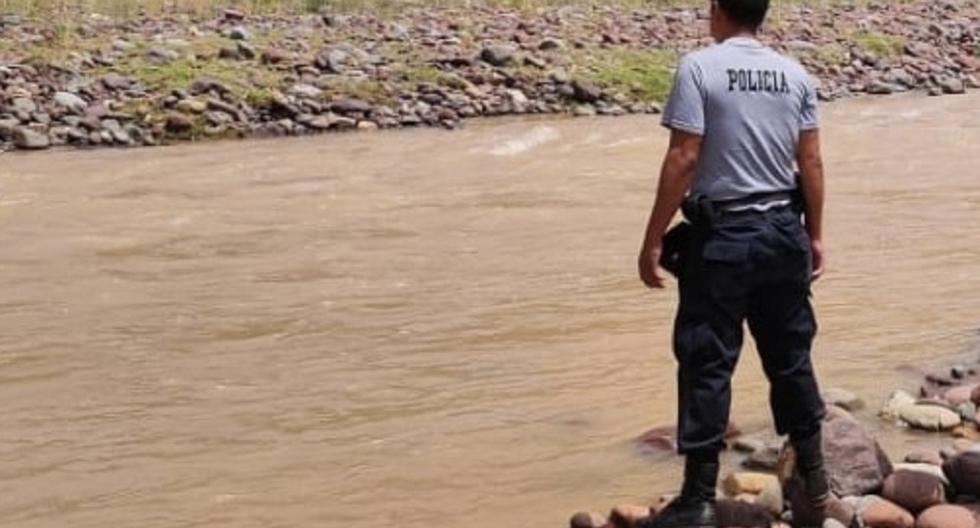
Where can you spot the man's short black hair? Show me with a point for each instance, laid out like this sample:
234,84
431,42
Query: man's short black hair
748,13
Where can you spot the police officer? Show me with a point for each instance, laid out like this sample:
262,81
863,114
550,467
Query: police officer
742,119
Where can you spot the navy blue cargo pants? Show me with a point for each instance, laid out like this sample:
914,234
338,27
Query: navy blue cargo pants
753,266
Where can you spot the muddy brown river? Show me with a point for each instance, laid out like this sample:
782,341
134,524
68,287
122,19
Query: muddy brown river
421,328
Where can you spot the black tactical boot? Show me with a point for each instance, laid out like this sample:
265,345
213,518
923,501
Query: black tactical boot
810,467
695,508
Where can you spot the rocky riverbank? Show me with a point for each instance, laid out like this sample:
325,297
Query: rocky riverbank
153,80
926,489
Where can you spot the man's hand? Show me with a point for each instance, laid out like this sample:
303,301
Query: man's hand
676,177
812,186
819,259
649,264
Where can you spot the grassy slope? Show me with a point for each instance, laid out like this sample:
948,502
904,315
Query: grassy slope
641,74
66,9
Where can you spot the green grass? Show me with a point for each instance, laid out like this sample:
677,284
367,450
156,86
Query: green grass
431,74
879,43
142,110
258,97
365,89
173,75
831,54
645,75
208,45
242,78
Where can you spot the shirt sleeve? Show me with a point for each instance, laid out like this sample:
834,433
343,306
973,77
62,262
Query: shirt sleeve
685,107
808,111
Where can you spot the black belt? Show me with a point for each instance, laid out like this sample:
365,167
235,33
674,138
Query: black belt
746,202
704,212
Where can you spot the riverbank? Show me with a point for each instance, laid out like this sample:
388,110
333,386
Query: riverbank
925,488
148,80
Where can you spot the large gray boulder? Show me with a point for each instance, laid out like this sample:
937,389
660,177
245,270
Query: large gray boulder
70,102
27,139
855,463
498,54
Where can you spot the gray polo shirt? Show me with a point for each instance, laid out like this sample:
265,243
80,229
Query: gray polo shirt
750,104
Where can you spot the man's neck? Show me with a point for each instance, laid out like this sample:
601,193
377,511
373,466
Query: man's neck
741,33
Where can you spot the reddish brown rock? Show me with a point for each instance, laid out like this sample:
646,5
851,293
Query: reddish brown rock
963,471
179,124
855,463
914,490
975,396
274,56
946,516
737,513
961,394
659,438
881,513
974,508
587,520
627,515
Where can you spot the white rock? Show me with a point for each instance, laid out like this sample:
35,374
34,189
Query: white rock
844,399
771,497
895,403
306,91
929,417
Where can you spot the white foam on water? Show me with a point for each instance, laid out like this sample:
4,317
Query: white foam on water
181,220
534,138
626,142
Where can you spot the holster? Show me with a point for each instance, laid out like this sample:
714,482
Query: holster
699,216
699,211
675,244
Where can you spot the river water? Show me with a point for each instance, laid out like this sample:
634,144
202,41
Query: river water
418,328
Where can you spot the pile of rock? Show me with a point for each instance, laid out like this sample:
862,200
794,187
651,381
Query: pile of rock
158,79
945,403
925,490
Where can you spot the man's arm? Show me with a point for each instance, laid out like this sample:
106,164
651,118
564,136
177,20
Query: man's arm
676,177
812,187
